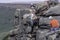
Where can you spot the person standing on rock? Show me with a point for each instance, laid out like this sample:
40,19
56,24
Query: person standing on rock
54,23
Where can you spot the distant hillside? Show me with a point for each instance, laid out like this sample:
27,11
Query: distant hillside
6,20
20,5
14,5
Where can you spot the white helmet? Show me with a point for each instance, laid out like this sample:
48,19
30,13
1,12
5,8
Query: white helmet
18,9
30,10
50,17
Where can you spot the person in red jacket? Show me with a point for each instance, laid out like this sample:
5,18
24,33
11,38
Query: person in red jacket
54,23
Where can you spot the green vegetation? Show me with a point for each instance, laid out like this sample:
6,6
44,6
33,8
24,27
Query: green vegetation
4,36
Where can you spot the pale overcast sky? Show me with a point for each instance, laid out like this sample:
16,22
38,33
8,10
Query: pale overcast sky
12,1
9,1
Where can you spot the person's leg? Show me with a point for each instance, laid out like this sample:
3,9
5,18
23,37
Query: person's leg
31,22
52,29
56,29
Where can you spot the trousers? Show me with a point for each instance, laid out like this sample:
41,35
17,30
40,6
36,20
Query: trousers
54,29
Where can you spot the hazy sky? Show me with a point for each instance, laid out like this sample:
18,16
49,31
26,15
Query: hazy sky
9,1
13,1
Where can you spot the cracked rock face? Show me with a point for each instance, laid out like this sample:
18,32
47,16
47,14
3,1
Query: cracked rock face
22,32
53,10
